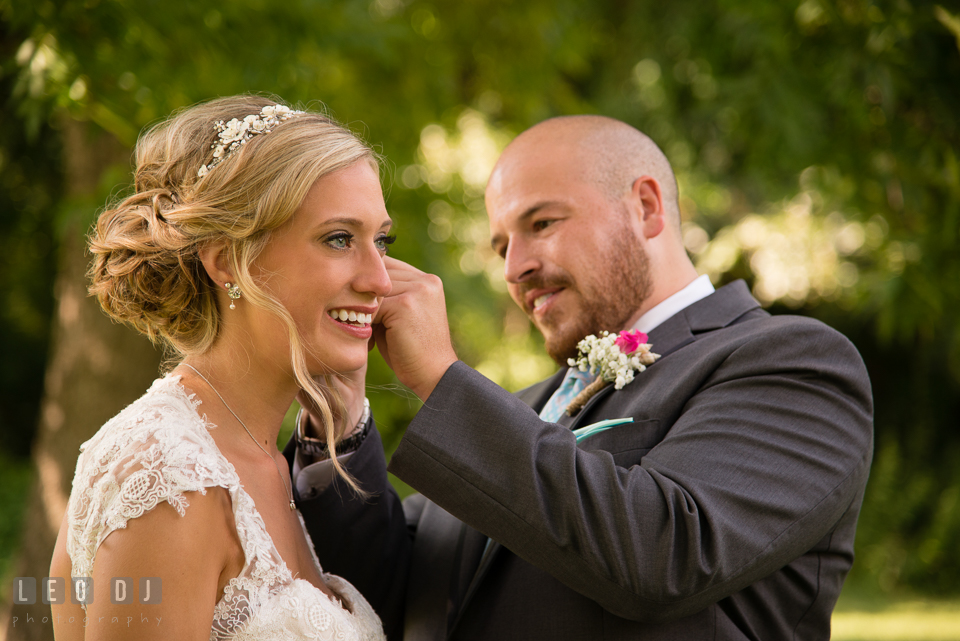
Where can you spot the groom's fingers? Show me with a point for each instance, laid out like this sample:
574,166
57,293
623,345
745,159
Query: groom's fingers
401,272
410,286
403,277
411,328
399,267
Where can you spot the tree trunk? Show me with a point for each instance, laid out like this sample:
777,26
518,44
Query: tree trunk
96,368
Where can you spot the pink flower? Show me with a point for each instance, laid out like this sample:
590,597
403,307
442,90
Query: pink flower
628,342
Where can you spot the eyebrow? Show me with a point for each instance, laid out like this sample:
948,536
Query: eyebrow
543,204
355,222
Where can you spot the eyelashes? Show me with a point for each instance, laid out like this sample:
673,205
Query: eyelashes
342,241
339,241
387,241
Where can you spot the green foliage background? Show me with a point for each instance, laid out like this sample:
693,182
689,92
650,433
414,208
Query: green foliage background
815,142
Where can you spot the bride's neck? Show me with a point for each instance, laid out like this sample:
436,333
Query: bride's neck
259,393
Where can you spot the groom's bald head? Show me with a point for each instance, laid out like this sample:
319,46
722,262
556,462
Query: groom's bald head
610,154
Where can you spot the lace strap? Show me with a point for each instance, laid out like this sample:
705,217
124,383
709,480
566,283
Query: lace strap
155,450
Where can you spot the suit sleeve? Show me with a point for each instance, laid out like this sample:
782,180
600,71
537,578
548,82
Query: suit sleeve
758,465
365,541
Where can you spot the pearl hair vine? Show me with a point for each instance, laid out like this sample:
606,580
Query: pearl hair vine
235,133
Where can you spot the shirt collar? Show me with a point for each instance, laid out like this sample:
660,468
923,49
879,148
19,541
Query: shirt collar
700,288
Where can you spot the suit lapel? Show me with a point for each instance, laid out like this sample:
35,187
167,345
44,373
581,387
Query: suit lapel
670,336
722,308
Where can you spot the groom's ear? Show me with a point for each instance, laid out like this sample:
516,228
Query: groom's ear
213,256
647,201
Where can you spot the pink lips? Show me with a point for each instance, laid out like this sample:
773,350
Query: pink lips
365,331
363,315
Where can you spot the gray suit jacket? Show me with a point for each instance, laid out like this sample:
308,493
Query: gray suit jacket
726,510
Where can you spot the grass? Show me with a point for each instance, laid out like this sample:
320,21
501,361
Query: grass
871,616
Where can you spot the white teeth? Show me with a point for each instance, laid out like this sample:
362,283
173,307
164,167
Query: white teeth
352,316
539,300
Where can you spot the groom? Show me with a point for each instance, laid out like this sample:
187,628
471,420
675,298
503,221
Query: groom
725,508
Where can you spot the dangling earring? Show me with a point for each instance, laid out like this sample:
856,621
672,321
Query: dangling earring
233,291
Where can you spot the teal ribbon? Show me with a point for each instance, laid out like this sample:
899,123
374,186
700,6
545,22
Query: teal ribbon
596,428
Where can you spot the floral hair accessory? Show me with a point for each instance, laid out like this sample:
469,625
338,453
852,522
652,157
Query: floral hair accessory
614,358
235,133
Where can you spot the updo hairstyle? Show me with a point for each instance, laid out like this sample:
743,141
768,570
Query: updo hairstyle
146,267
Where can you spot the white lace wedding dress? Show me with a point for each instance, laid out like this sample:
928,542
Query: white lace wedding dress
157,449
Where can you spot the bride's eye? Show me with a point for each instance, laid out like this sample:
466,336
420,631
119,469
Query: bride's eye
383,242
339,241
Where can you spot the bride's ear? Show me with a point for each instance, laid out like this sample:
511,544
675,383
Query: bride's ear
213,256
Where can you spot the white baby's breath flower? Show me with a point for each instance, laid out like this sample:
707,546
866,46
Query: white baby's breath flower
602,356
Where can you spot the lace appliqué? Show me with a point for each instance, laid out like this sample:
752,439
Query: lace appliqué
158,449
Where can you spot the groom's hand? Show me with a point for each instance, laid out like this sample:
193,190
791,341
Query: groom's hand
411,328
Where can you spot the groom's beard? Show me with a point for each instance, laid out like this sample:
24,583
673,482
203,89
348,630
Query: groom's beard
610,296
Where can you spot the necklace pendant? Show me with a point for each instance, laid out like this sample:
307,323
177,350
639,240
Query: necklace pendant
293,505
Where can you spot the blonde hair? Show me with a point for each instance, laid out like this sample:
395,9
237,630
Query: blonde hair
146,267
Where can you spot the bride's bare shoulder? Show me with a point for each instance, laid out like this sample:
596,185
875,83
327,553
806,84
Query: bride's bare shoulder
193,555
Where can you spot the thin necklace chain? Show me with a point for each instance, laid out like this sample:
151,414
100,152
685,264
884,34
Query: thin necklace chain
286,490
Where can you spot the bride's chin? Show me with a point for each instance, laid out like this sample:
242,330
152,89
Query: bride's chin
332,367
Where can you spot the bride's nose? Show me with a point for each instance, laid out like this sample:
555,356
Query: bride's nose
372,275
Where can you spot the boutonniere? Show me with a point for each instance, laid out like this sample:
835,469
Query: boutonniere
614,358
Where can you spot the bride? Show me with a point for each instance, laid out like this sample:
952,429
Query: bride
253,250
